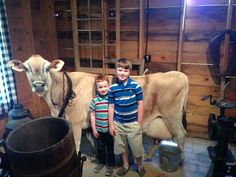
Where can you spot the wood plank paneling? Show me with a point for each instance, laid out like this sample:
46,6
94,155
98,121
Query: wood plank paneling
66,52
22,47
32,31
164,57
204,19
197,120
200,80
198,90
197,131
201,110
196,69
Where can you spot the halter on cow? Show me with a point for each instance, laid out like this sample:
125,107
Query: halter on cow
165,97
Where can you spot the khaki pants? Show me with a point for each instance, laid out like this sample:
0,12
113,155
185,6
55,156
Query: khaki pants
128,134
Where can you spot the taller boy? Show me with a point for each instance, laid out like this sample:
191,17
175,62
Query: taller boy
125,100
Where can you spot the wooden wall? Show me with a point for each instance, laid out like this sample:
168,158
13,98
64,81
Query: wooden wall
203,20
37,30
32,30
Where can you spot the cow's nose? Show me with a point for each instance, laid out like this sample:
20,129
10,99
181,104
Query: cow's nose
38,85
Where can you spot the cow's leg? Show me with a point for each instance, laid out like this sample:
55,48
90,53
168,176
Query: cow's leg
157,130
150,152
77,131
178,131
78,141
77,120
180,138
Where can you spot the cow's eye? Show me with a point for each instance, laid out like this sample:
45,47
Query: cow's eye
26,69
47,69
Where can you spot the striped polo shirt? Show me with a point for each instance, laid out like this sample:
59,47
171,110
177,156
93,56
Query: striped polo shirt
99,105
125,98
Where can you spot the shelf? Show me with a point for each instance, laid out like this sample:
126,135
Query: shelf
95,44
88,19
111,18
90,44
126,8
110,44
129,30
130,8
163,7
65,10
81,30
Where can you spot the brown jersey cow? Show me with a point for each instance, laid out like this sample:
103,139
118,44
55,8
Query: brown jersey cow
165,96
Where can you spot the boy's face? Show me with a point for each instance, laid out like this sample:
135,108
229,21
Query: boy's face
122,74
103,87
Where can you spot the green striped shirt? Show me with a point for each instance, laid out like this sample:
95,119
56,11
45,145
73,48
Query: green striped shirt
99,105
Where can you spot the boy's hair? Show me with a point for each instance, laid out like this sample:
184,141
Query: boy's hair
100,78
124,63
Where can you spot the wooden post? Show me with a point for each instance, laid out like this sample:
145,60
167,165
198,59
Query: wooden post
90,35
103,15
225,59
117,28
47,8
105,12
28,27
141,37
181,33
75,33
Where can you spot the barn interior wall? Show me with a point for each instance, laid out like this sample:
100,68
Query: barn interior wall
32,30
45,27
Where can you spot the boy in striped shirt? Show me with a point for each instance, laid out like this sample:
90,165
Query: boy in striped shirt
125,99
98,108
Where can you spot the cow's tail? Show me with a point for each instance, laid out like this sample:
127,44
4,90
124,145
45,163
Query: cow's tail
184,117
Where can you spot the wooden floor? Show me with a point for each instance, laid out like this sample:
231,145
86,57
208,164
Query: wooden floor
196,162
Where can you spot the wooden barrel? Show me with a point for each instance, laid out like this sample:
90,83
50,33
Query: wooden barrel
43,147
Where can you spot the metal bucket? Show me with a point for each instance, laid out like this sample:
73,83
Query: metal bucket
43,147
169,156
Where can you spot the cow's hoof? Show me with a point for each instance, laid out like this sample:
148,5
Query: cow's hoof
147,156
92,159
181,162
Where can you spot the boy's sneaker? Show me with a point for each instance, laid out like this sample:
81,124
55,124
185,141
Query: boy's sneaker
142,171
109,171
121,171
98,168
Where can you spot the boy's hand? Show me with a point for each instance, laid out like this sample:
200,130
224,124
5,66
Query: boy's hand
140,123
112,130
95,134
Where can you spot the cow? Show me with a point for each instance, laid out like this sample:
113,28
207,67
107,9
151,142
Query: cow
165,97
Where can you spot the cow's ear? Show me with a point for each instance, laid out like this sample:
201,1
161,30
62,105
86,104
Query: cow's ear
16,65
56,65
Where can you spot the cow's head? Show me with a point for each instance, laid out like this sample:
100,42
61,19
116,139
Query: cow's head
38,71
